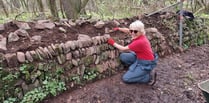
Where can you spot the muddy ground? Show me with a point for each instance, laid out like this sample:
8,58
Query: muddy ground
177,82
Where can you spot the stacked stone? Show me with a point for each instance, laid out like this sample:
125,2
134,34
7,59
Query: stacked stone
195,32
158,42
60,52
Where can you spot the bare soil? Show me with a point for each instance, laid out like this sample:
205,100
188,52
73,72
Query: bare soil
177,82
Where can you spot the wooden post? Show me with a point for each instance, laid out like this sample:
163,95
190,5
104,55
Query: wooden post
180,23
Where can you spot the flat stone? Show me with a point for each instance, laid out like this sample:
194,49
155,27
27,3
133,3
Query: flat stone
61,59
39,55
83,37
68,56
61,48
21,57
61,29
34,55
22,25
54,48
51,51
99,24
28,56
22,32
39,26
67,46
46,51
75,62
41,51
49,25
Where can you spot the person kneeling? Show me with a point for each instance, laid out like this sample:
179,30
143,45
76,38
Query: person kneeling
138,55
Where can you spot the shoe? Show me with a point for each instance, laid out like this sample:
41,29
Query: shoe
153,75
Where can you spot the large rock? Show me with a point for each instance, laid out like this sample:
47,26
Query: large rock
22,32
22,25
11,60
13,37
99,24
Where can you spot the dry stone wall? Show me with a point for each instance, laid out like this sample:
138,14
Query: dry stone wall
68,61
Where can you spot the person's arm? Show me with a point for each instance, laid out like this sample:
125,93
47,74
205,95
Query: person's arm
121,48
125,30
118,46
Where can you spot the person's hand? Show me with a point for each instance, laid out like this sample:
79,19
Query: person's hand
111,41
116,28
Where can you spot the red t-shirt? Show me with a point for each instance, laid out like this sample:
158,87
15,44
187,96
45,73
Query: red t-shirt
141,46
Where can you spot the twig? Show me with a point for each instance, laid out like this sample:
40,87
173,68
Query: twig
19,15
199,10
71,27
163,9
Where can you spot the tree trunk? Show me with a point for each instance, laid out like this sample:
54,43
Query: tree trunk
40,5
83,5
4,8
34,8
53,9
61,8
73,8
24,4
70,8
16,3
207,8
145,2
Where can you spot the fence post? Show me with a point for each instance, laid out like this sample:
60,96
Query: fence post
180,23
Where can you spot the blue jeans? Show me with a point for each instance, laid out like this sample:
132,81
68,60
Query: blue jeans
139,70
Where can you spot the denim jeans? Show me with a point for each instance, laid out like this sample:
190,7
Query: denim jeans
139,70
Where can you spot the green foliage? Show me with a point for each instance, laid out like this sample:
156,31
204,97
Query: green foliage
34,96
7,79
76,79
10,77
10,100
50,87
59,71
21,17
90,74
50,84
197,32
26,70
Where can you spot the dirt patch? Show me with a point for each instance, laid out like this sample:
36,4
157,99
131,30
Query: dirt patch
178,76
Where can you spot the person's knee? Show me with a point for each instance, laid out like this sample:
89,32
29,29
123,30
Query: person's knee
122,57
126,79
127,58
142,79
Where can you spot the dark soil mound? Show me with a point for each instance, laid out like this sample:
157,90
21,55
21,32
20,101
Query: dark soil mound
54,36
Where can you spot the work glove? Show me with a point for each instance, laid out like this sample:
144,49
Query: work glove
111,41
116,28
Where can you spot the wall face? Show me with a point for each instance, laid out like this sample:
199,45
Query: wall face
76,62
